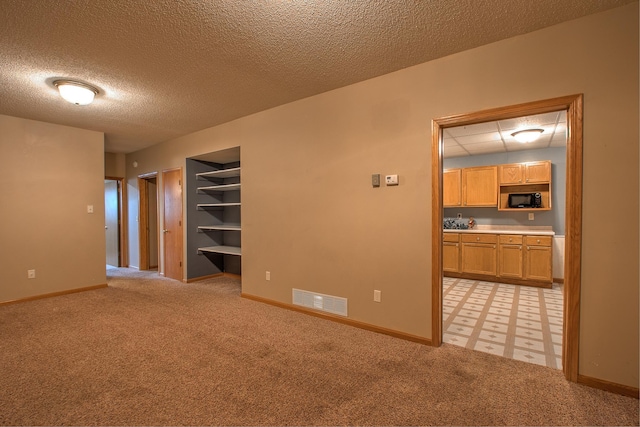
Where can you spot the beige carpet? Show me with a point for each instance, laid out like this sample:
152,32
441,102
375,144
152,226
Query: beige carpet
152,351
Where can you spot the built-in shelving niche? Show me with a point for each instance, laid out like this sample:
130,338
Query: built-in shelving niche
214,223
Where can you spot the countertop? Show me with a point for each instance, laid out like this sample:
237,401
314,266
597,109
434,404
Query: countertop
527,231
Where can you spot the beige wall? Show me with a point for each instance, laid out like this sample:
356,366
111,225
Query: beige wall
49,174
114,165
311,217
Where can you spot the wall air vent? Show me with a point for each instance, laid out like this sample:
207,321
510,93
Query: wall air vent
322,302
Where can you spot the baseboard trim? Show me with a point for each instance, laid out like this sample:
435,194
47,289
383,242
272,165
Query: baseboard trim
349,322
609,386
53,294
213,276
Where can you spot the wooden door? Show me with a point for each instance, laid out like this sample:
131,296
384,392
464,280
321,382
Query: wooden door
172,225
510,261
111,222
451,188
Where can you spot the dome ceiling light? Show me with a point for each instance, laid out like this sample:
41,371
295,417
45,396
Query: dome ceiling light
527,135
75,92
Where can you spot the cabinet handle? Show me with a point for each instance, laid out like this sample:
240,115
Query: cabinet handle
477,239
538,240
494,246
165,230
510,239
528,248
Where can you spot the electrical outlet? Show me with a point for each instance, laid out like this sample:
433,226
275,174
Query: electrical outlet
459,216
377,295
31,274
90,209
531,216
267,275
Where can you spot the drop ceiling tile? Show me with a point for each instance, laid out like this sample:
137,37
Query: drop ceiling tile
496,146
472,129
455,152
479,138
450,143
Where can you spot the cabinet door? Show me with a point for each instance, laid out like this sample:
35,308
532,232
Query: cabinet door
510,174
538,263
537,172
480,186
452,187
451,257
479,258
510,261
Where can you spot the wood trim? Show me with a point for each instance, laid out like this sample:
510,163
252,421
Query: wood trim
197,279
498,279
573,240
558,280
436,234
573,104
609,386
54,294
339,319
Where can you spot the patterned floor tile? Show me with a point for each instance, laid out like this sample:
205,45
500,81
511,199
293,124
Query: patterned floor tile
520,322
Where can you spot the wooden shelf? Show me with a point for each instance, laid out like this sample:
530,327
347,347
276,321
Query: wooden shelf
216,205
222,187
225,250
222,173
221,227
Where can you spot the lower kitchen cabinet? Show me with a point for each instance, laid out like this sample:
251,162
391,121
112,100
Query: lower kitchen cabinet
538,262
451,252
508,258
479,254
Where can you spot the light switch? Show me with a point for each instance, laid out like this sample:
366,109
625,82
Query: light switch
375,180
89,208
391,179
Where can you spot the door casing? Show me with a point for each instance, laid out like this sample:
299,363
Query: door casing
573,105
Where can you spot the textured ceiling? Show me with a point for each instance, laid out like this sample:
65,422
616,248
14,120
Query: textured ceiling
166,68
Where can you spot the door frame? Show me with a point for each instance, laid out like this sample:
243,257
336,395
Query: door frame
122,254
143,215
573,105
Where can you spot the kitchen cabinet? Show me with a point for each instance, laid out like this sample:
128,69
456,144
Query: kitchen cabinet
451,252
480,186
508,258
452,188
525,173
531,177
538,258
510,262
479,254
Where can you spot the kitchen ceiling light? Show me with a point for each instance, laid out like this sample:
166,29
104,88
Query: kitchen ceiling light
527,135
75,92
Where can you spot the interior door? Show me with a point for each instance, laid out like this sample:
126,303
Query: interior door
172,225
111,227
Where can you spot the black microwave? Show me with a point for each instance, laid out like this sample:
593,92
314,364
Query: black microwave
525,200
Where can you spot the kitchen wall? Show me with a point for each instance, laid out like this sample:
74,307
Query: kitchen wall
49,175
311,217
491,216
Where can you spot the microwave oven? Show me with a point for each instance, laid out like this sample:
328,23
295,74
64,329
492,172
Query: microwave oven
525,200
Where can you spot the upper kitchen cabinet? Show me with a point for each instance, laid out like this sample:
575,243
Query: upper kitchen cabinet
525,173
452,188
479,186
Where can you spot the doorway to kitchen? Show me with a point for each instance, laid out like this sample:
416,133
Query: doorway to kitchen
572,105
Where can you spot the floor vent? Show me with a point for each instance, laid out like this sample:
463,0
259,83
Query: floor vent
322,302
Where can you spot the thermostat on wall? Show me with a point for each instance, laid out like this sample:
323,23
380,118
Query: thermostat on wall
391,180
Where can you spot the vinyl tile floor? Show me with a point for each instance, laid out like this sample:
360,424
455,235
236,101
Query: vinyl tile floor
517,322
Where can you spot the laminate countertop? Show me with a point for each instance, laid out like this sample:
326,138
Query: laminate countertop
528,232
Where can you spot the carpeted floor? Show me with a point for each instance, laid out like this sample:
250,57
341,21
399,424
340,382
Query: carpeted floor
153,351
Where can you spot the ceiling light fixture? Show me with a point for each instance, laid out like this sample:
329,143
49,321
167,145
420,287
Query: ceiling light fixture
75,92
527,135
